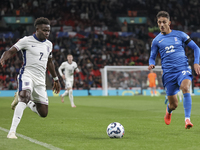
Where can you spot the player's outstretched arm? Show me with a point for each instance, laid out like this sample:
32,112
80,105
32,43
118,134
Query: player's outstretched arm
51,68
7,55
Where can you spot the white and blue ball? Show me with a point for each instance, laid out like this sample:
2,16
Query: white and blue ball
115,130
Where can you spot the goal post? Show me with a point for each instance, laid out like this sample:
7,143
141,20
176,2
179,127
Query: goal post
128,80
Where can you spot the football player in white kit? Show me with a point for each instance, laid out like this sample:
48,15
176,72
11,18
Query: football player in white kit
69,67
37,56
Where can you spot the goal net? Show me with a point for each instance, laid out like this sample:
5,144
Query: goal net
128,80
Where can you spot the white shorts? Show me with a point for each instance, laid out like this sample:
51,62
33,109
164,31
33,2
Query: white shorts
38,91
68,84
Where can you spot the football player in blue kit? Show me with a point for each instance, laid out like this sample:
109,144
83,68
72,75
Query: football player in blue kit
176,72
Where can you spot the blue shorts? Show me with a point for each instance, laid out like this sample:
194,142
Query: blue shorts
172,81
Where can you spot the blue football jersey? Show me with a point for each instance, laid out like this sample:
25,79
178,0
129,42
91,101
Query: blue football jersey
171,49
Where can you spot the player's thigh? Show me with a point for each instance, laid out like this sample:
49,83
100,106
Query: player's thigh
39,95
184,80
151,85
171,88
25,88
25,83
68,85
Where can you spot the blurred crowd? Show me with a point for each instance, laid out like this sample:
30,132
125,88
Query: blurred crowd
97,50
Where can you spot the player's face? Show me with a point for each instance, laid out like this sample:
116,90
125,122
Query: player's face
70,58
43,31
164,25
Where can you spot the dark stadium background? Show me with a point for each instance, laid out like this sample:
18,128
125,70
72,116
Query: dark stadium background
91,30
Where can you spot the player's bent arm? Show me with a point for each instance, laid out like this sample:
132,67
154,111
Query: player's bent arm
154,52
7,55
60,70
51,68
77,70
196,49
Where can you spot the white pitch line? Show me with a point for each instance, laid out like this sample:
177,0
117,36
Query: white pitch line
51,147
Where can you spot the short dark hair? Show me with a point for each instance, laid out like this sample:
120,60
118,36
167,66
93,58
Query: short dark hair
41,20
163,14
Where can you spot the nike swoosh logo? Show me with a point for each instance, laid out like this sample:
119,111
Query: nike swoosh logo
160,41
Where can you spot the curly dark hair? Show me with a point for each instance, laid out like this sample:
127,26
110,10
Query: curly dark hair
163,14
41,20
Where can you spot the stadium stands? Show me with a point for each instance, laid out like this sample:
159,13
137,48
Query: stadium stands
88,29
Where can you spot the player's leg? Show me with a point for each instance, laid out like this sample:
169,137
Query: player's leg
39,101
69,86
172,105
151,88
71,98
154,90
187,104
171,89
166,99
24,97
66,93
180,96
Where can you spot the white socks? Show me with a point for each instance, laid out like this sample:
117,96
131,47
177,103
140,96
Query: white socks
65,93
186,118
19,109
71,98
32,106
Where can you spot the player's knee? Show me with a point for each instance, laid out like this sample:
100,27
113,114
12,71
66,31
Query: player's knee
24,96
185,89
44,114
174,106
70,91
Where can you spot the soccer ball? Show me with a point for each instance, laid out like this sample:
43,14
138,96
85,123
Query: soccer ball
115,130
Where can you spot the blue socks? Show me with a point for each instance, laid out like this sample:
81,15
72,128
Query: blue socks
169,110
187,104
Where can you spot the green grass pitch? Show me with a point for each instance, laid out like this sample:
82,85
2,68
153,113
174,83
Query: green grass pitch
84,127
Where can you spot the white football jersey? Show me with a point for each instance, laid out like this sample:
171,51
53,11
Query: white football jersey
35,55
68,70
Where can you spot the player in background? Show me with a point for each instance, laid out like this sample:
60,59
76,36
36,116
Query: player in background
69,67
36,51
176,72
152,82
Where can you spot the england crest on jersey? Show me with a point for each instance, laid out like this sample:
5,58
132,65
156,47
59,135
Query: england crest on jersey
176,40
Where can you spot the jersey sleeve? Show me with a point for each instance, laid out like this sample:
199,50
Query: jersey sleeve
185,38
50,48
21,44
76,67
62,66
154,52
189,42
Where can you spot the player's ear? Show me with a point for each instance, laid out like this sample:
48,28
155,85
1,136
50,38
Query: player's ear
169,23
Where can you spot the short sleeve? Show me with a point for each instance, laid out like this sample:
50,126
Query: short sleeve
21,44
50,48
184,36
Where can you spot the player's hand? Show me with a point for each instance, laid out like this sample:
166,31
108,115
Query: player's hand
56,86
197,69
151,67
63,76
